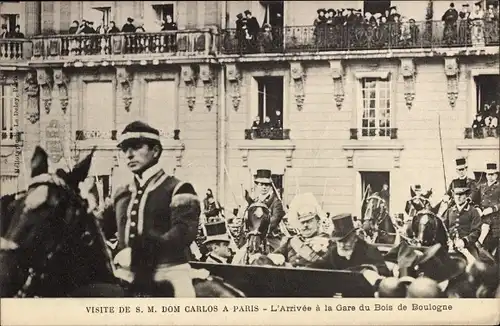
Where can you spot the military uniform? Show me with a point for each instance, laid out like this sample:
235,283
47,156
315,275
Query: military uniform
298,251
489,196
466,221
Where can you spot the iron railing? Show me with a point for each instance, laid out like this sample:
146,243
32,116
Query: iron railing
426,34
179,43
382,133
482,133
267,133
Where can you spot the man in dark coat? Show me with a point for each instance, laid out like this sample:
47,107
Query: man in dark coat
461,164
252,24
450,18
155,217
128,27
349,250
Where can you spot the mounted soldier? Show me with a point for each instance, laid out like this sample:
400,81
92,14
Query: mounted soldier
418,201
469,182
312,243
156,217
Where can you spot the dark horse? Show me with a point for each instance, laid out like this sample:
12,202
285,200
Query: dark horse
377,221
53,247
427,229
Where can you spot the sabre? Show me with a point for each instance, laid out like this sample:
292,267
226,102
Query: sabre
442,152
231,186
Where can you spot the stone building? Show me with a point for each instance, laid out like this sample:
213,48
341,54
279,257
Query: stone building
348,105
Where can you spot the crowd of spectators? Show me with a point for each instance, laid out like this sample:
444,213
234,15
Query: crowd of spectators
252,38
16,33
130,26
485,123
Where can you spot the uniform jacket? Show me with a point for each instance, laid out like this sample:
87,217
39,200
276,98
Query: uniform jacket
215,259
275,209
466,220
363,253
158,220
471,184
298,252
489,196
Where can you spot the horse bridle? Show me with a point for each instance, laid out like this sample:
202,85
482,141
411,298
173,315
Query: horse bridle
86,237
433,240
255,232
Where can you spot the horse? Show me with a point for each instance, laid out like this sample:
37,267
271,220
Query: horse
52,244
427,229
255,228
378,223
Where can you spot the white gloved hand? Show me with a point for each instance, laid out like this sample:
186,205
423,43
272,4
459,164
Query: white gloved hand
123,258
319,244
278,259
459,243
487,211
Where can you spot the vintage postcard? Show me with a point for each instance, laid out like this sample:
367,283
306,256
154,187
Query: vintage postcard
249,162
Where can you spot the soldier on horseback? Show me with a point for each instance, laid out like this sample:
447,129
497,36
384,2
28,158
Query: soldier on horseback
312,243
156,217
418,202
462,175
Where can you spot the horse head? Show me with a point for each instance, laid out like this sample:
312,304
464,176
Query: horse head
55,244
428,229
257,222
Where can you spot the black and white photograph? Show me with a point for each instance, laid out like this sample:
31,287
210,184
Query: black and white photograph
250,149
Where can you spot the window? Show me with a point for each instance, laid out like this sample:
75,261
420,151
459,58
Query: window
163,10
98,110
161,106
376,6
278,183
372,182
270,109
7,97
376,108
105,16
487,90
11,20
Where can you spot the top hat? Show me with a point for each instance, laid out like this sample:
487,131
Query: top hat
460,186
263,176
461,162
417,187
343,226
465,5
239,16
321,10
304,207
138,130
216,231
129,19
491,168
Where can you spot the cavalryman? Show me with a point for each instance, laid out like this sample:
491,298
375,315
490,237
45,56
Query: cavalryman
349,250
312,243
418,201
463,218
462,175
489,199
156,217
267,196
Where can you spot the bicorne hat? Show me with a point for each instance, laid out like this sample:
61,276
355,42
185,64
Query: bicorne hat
216,231
461,162
343,226
491,168
263,176
460,186
138,130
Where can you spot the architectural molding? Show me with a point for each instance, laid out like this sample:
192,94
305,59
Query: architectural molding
408,73
247,146
31,89
338,73
384,74
189,77
451,71
298,77
233,75
207,77
383,145
125,79
46,83
62,81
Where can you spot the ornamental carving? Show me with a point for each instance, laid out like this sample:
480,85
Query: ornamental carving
207,77
62,81
451,71
46,82
188,75
298,77
233,75
31,89
408,73
124,78
337,72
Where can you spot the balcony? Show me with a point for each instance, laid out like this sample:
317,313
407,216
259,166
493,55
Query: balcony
267,133
482,133
185,43
423,35
14,49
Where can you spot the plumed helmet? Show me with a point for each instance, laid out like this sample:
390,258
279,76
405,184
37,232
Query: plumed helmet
304,207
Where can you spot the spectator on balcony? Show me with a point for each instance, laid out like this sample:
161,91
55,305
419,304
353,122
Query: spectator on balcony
140,28
386,13
90,28
5,33
253,26
169,24
267,123
395,29
476,17
266,39
358,18
113,29
491,14
74,27
393,13
129,26
321,18
256,123
278,122
17,32
464,24
450,18
414,32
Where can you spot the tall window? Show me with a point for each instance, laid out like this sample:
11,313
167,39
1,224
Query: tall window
11,20
105,16
270,109
161,106
376,6
163,10
376,108
372,182
7,96
487,90
98,111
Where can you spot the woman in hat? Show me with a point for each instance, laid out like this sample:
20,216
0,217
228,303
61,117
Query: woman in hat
350,251
489,202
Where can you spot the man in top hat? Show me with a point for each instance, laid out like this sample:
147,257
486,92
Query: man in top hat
217,243
312,243
156,217
266,195
128,27
463,219
489,201
462,175
349,250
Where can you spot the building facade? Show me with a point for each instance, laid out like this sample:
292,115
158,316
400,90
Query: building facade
348,106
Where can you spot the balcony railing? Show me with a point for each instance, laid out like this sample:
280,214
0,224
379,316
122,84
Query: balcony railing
267,133
482,133
382,133
179,43
14,49
112,134
426,34
12,136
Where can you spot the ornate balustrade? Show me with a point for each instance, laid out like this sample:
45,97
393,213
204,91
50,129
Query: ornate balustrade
482,133
14,49
178,43
267,133
389,133
426,34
